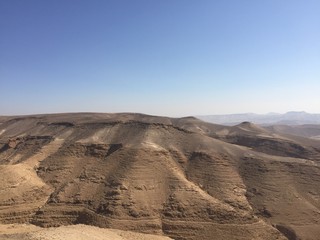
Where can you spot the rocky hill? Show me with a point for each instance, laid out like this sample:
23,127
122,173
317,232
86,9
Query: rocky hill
182,178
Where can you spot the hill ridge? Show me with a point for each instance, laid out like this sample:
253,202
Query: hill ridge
158,175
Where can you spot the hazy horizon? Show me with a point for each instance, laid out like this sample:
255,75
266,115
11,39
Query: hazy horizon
168,58
163,115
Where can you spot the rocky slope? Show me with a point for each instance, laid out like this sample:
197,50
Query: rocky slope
182,178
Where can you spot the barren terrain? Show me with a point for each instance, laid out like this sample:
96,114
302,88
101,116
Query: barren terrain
71,232
181,178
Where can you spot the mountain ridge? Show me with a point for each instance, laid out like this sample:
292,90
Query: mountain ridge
289,118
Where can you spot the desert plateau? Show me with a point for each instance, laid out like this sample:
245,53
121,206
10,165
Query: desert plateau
130,175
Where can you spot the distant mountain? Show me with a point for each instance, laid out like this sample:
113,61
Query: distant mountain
289,118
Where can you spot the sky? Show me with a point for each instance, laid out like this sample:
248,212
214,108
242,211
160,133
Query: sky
167,57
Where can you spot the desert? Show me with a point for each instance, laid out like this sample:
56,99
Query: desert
179,178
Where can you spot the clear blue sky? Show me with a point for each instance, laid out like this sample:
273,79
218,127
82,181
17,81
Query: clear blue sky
164,57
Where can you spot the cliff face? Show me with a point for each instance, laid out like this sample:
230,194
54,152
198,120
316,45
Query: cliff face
183,178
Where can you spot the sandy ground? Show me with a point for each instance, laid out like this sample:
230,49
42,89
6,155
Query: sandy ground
74,232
